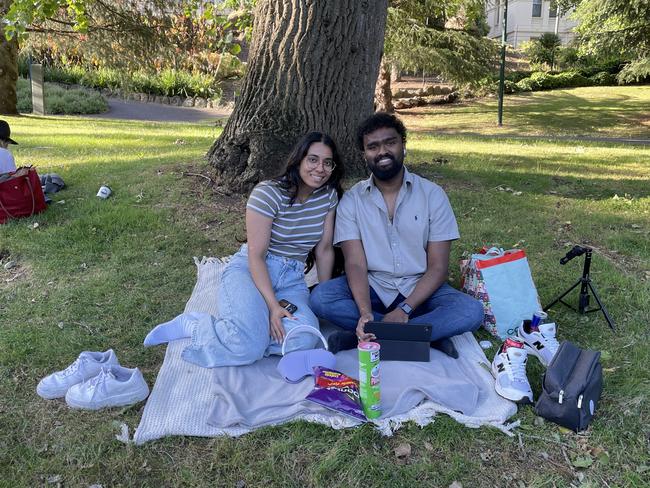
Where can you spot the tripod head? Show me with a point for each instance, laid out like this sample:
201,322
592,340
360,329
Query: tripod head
574,253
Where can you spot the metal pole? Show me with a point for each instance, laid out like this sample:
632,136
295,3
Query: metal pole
502,71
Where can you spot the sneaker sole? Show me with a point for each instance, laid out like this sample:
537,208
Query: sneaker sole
49,395
523,400
115,401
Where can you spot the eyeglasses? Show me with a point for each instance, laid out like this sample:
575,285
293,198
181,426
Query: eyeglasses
314,161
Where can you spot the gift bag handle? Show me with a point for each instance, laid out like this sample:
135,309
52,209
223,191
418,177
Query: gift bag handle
494,251
31,191
303,328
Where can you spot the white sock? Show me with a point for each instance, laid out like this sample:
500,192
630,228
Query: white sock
177,328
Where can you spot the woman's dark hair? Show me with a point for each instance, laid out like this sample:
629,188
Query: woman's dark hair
290,179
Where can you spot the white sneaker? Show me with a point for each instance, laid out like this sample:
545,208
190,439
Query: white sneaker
509,371
114,386
542,342
87,365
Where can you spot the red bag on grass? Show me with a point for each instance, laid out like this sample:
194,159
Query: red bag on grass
21,194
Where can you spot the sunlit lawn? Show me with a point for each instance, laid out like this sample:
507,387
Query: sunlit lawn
97,274
591,111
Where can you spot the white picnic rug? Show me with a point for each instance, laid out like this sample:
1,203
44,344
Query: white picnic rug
183,395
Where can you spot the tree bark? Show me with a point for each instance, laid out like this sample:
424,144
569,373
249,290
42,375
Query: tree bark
383,92
312,66
8,66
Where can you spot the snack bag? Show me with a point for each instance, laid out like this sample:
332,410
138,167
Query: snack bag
336,391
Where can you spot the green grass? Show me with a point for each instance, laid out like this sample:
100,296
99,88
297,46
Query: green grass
96,274
592,112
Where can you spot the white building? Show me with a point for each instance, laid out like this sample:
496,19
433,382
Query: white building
527,19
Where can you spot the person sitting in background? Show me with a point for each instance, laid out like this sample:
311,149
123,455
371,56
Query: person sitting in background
7,163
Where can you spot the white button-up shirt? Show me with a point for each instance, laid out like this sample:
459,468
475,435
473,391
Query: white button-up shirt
396,251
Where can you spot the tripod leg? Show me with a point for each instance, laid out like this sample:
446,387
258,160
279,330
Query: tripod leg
602,307
560,297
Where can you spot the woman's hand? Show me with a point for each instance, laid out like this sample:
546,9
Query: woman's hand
361,334
276,329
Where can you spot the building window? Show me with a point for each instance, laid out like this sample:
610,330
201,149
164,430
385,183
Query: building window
552,10
537,8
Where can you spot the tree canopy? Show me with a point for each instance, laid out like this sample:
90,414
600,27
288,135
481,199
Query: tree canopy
132,33
618,28
441,36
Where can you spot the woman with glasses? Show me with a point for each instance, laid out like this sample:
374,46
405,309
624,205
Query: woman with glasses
263,294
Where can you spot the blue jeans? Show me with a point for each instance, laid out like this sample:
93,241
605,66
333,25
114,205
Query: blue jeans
448,310
240,334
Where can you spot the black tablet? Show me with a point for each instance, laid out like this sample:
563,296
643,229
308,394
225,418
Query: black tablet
401,342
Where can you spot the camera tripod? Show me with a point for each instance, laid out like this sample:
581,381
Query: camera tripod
585,286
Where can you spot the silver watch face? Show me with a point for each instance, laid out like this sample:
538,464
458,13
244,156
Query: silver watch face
406,308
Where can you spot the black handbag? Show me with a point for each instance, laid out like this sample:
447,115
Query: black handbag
571,388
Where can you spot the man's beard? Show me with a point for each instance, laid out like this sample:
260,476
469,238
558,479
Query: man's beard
388,173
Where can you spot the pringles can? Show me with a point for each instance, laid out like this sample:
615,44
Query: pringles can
369,379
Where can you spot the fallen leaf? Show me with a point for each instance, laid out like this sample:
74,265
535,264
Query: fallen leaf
35,225
403,450
456,484
517,193
582,461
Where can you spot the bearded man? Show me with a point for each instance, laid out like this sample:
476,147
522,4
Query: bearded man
395,230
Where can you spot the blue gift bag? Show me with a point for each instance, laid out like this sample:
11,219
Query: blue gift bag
501,280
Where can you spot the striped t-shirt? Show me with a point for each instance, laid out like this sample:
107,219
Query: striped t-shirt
296,229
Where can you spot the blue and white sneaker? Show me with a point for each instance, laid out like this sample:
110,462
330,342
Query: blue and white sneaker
540,341
509,371
87,365
114,386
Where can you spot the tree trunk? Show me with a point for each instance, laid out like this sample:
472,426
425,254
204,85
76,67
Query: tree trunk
395,73
383,93
312,66
8,66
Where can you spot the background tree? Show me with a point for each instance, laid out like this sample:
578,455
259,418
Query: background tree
445,37
312,66
543,50
129,34
619,28
8,66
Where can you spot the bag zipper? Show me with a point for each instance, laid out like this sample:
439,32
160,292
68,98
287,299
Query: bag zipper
560,397
580,401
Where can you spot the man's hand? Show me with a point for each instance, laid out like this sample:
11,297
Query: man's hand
398,315
361,334
276,329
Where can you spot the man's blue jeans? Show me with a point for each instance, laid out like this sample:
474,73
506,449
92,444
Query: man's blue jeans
448,310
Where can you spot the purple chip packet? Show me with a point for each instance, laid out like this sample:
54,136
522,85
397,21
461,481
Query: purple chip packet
336,391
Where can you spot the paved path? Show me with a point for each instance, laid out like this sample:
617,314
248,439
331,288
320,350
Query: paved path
131,110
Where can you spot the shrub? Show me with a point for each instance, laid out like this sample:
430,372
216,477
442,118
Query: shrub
168,82
603,79
61,101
